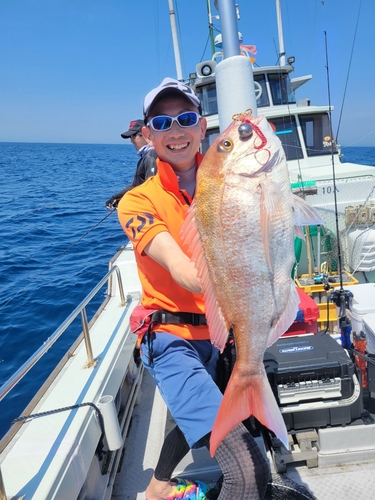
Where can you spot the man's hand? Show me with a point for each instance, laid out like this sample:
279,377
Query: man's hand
166,252
115,199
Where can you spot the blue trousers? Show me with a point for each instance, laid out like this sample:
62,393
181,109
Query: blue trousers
185,372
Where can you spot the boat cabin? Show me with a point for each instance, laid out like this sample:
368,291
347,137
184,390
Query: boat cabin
304,130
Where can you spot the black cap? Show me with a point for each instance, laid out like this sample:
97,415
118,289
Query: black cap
135,127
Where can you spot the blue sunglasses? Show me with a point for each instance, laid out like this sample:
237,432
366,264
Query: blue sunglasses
188,119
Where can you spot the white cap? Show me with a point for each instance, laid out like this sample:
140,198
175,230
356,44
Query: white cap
168,84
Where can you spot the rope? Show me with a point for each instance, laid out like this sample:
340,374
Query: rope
349,68
24,418
360,355
361,139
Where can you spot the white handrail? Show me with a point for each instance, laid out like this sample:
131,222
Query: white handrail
21,372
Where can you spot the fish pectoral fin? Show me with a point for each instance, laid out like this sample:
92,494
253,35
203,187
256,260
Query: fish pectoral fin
287,317
218,327
270,198
298,232
242,400
304,215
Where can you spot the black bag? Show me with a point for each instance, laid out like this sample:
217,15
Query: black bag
225,365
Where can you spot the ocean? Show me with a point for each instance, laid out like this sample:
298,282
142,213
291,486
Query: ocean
56,239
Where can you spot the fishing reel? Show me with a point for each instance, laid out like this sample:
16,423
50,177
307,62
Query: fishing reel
343,299
322,279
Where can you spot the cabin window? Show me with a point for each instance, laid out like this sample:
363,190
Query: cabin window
286,130
281,89
209,139
208,98
317,134
263,100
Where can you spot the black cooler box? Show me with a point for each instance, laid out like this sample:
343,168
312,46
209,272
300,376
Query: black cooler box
314,381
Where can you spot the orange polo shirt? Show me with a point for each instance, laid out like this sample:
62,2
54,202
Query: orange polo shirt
155,206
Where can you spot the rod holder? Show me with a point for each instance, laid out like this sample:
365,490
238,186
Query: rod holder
111,424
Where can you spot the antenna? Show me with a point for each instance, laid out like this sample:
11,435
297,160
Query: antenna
210,26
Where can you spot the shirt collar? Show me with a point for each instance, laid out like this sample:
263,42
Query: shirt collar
144,150
168,176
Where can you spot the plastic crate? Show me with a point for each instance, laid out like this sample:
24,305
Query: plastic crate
330,315
308,285
307,316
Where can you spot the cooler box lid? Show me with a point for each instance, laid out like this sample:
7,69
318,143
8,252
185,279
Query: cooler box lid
306,358
369,328
364,298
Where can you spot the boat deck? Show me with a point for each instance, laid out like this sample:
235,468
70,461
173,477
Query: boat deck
353,479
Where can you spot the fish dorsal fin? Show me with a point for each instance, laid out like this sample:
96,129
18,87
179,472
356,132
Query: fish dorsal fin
304,215
217,325
288,316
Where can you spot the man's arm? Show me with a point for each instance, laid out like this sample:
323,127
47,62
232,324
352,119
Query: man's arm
166,252
146,167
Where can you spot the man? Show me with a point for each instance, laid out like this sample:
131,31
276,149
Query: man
146,165
176,348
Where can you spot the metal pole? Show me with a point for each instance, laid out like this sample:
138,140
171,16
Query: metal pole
280,33
212,38
229,29
234,74
2,488
86,335
318,245
176,47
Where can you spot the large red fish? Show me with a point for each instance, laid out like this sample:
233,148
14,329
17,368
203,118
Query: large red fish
240,230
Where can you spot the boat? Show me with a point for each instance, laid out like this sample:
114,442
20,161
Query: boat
313,155
95,428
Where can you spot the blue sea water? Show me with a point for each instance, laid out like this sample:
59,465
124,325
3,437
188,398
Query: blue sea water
56,239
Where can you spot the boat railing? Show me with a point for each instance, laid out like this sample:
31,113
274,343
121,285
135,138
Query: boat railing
80,309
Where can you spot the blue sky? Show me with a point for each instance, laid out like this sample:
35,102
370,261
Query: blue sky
77,70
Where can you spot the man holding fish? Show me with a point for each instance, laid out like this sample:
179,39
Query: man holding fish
234,243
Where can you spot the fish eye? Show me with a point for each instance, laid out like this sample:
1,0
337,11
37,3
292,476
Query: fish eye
226,145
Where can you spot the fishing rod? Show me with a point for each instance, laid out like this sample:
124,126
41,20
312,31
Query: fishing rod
31,280
342,298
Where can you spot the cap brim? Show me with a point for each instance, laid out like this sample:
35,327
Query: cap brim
127,135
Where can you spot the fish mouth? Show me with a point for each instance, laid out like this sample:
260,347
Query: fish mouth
178,147
266,167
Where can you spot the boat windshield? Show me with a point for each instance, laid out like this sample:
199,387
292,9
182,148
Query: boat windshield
281,89
211,135
207,96
263,99
286,130
317,134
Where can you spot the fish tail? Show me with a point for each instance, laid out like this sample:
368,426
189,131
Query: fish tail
241,400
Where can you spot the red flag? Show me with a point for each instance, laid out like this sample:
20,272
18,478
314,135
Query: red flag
249,48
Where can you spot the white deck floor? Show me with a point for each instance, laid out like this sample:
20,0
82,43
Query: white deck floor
146,436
